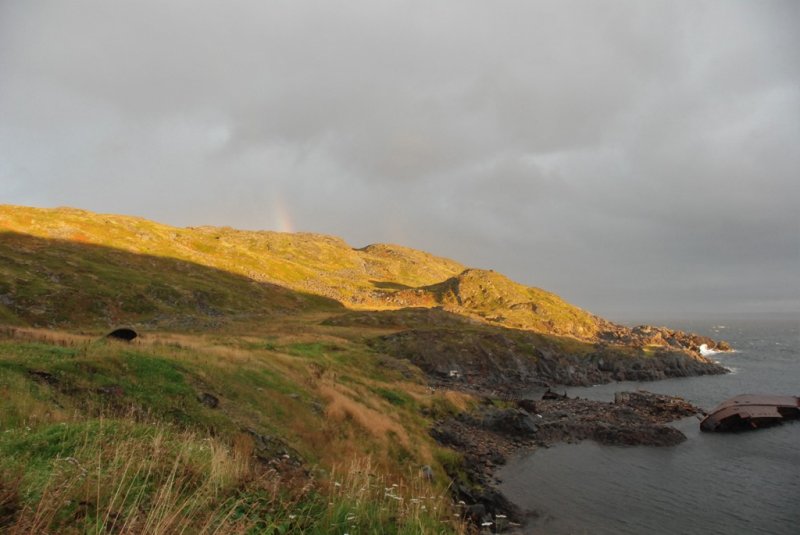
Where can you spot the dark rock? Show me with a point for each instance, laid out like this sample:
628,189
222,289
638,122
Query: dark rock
115,391
496,504
527,405
497,458
465,492
447,436
510,421
44,377
553,395
209,400
655,407
272,450
476,512
426,472
639,435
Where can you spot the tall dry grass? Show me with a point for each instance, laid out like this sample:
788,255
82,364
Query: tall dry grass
124,479
361,499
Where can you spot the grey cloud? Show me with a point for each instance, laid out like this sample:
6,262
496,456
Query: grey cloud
625,154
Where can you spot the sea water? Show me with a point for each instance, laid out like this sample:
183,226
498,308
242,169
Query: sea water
711,484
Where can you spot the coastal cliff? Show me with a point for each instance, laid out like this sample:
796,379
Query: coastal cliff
281,353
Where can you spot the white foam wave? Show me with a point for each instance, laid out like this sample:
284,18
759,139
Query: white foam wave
705,351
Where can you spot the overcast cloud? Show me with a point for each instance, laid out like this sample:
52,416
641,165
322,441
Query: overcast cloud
638,158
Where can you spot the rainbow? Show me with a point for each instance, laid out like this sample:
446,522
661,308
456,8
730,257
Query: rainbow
281,218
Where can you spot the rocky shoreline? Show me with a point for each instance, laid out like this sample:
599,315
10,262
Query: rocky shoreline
496,364
489,435
492,360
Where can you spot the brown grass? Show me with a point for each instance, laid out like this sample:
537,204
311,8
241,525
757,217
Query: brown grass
46,336
459,400
341,407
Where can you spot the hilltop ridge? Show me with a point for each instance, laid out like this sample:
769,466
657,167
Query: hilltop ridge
273,272
378,276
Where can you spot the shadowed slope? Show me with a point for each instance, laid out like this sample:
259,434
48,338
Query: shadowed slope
58,282
305,262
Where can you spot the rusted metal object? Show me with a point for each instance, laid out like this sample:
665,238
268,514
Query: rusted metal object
750,411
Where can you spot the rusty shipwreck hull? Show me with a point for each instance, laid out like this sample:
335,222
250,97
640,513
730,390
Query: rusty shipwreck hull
751,411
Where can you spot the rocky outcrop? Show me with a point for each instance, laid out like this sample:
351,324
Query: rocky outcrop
647,335
635,418
479,358
502,360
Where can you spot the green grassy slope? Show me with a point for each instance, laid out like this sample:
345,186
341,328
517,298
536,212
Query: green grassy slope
250,433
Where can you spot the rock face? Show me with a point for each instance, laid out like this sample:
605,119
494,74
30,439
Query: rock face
508,361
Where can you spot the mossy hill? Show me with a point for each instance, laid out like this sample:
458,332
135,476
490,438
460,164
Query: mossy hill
281,383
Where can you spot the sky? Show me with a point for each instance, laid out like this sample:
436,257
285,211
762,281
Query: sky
640,159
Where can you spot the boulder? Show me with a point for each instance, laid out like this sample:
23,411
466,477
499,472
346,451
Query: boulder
510,422
209,400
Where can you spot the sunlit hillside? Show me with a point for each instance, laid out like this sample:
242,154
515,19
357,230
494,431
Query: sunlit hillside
279,383
106,269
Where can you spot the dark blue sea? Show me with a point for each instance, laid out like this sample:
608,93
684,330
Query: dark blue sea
744,483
